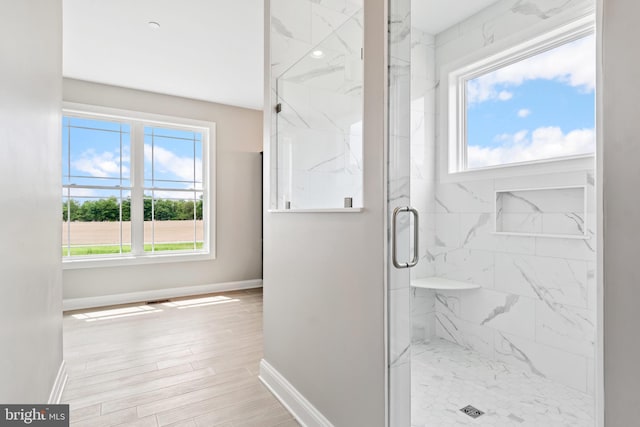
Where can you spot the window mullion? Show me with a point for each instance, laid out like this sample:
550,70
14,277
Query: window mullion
462,125
137,188
166,182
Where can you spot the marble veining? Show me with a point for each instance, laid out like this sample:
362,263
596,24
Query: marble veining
401,358
483,220
510,301
548,294
442,205
506,194
447,377
488,33
526,7
327,69
278,26
345,7
449,303
509,349
553,211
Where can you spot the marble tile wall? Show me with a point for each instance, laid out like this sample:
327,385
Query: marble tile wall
423,82
502,20
536,305
319,129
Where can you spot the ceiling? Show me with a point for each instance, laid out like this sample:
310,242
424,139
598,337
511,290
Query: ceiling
210,50
434,16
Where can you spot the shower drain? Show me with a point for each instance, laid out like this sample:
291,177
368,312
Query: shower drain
471,411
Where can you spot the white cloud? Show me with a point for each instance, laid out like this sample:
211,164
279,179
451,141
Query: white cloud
573,64
505,95
543,143
170,162
523,113
105,164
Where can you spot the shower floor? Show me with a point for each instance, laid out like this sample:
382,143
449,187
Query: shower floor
446,377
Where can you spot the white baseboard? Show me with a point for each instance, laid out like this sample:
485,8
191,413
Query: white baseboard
106,300
58,386
306,414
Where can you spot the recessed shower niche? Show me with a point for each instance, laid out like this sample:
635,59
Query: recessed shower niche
319,121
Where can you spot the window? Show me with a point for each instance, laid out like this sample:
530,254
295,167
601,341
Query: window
531,103
134,187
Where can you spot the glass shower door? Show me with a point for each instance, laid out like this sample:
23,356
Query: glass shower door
401,217
502,322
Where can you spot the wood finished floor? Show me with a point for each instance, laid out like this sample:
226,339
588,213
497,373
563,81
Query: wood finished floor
190,363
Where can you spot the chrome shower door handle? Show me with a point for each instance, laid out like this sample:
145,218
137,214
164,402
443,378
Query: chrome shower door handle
394,244
416,234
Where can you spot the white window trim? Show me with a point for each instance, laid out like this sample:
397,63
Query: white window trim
208,130
451,144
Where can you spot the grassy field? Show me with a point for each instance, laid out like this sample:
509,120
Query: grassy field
115,249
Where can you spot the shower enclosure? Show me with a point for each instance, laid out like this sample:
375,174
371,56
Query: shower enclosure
503,300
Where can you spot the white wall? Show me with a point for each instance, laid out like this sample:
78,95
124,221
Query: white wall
324,273
621,178
30,170
238,193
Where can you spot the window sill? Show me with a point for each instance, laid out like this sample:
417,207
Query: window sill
123,261
541,167
328,210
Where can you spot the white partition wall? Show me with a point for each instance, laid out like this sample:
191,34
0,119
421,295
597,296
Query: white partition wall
30,169
324,294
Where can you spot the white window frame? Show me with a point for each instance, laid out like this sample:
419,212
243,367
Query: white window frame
138,120
452,146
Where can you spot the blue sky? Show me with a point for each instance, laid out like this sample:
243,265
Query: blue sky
96,154
538,108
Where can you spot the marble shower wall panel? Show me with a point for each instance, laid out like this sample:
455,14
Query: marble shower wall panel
319,129
423,315
422,192
304,178
466,334
307,21
466,265
536,305
541,291
551,280
468,197
503,19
